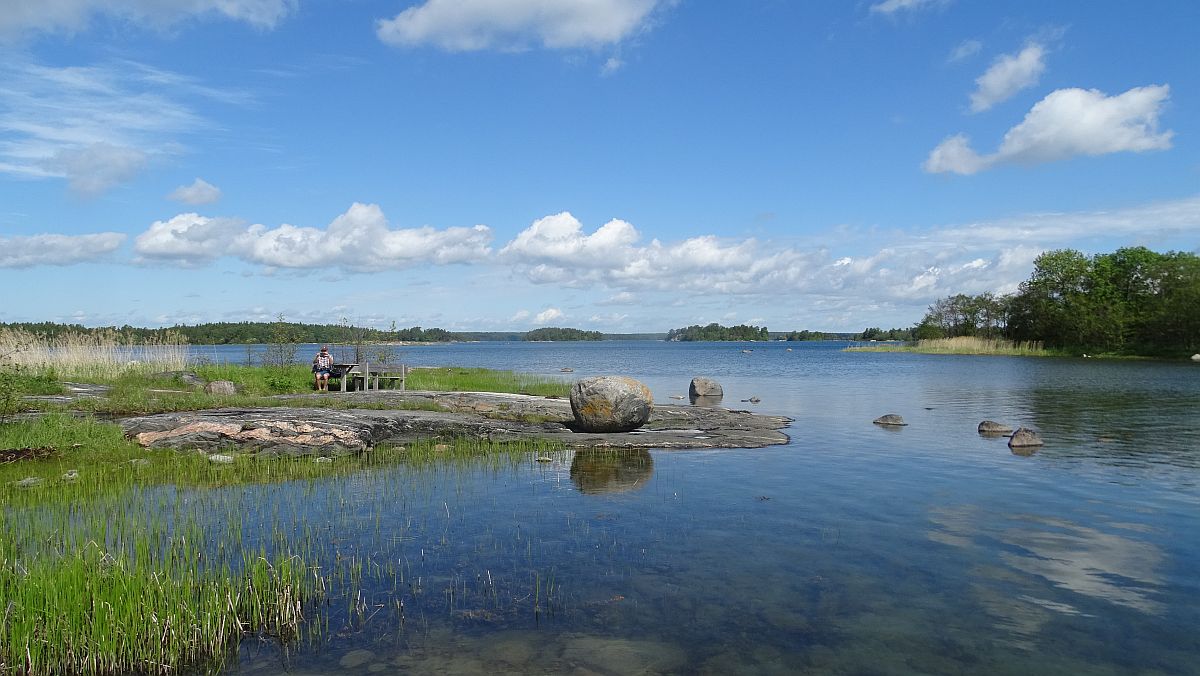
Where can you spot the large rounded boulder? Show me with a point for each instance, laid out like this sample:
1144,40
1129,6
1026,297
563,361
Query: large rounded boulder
610,404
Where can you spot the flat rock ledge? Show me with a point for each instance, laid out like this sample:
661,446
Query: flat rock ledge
300,430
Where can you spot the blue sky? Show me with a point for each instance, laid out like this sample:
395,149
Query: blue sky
619,165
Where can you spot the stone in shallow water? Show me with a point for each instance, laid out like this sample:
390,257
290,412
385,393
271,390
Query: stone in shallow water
890,420
705,387
220,459
1025,438
991,427
29,482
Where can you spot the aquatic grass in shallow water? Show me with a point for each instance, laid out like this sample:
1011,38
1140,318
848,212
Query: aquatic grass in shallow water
156,560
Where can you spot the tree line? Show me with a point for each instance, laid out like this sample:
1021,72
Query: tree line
1131,301
238,333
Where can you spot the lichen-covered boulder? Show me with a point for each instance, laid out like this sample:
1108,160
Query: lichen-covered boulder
610,404
993,428
890,420
221,387
1024,438
705,387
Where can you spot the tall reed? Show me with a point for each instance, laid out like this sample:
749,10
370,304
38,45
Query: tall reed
100,356
961,345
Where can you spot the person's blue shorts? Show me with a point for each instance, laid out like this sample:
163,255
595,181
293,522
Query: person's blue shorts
322,372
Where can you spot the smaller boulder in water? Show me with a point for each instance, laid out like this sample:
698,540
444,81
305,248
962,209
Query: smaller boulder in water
1025,438
705,387
994,429
890,420
1196,357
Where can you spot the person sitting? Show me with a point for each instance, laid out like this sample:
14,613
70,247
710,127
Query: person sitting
322,367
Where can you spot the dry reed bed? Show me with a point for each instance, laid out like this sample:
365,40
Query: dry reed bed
962,345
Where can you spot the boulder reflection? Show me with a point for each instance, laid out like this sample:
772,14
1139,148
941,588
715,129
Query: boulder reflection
595,471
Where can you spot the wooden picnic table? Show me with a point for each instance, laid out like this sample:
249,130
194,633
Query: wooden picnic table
366,376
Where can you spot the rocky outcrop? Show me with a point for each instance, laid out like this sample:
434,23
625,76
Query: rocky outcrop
705,387
610,404
890,420
991,428
298,430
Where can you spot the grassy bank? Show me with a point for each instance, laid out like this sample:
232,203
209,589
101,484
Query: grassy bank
119,559
962,345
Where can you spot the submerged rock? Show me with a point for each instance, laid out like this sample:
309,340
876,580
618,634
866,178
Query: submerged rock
356,658
71,475
623,656
610,404
993,428
1025,438
1196,357
29,482
890,420
705,387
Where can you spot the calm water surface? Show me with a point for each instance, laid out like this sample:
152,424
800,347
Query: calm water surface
853,549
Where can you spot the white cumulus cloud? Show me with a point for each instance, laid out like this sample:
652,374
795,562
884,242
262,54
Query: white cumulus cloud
548,315
199,192
31,250
189,239
1067,123
73,16
469,25
1008,75
906,270
358,240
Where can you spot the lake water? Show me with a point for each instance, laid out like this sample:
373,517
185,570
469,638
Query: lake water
853,549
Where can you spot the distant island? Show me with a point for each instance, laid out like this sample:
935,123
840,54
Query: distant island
556,333
715,331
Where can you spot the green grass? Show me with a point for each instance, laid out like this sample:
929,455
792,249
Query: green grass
455,379
963,345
